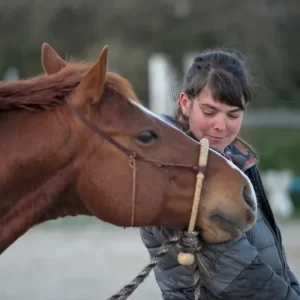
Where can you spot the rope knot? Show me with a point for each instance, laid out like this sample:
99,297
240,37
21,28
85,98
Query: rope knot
190,246
132,161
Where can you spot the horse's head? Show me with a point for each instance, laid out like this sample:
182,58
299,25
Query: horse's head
105,180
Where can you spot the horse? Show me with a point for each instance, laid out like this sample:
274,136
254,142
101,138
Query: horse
81,143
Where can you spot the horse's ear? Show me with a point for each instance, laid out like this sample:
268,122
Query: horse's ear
92,84
52,63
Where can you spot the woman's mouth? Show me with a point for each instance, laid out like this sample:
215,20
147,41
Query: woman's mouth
215,137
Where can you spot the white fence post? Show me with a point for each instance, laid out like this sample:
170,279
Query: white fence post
161,80
277,185
11,74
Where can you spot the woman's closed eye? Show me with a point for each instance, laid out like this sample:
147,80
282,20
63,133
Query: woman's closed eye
209,113
234,115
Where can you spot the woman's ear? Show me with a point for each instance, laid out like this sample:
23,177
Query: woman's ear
185,103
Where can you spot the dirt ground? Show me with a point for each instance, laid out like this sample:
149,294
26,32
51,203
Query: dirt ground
88,262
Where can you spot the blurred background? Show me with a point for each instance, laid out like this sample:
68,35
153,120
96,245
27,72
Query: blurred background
152,44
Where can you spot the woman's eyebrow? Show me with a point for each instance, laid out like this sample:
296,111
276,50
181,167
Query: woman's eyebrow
236,109
204,105
208,106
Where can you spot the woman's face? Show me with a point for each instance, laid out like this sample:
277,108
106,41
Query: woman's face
219,123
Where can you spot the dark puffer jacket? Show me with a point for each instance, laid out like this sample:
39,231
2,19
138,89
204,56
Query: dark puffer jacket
251,267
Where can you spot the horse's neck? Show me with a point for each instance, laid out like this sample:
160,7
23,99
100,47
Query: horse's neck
34,174
31,209
32,145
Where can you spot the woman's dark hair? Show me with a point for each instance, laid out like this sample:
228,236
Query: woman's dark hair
223,73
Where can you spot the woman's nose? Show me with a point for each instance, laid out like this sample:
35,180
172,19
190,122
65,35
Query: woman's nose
220,123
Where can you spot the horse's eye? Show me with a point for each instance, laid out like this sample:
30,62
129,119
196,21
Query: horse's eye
146,137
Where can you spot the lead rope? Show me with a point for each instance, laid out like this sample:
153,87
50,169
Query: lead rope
189,242
132,164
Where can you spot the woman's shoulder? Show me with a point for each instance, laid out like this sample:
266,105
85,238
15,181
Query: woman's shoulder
242,154
172,121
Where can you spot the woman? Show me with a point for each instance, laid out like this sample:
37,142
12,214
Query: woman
215,95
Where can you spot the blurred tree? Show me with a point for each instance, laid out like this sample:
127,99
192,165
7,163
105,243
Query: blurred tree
264,31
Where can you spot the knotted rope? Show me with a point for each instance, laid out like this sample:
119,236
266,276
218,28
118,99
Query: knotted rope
188,242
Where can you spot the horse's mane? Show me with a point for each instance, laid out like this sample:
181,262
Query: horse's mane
46,91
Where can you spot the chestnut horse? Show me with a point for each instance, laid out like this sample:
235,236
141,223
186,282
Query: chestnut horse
70,141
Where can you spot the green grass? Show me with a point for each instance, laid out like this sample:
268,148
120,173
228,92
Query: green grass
296,201
277,148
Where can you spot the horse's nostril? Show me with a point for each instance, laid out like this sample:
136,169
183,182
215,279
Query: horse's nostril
249,199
